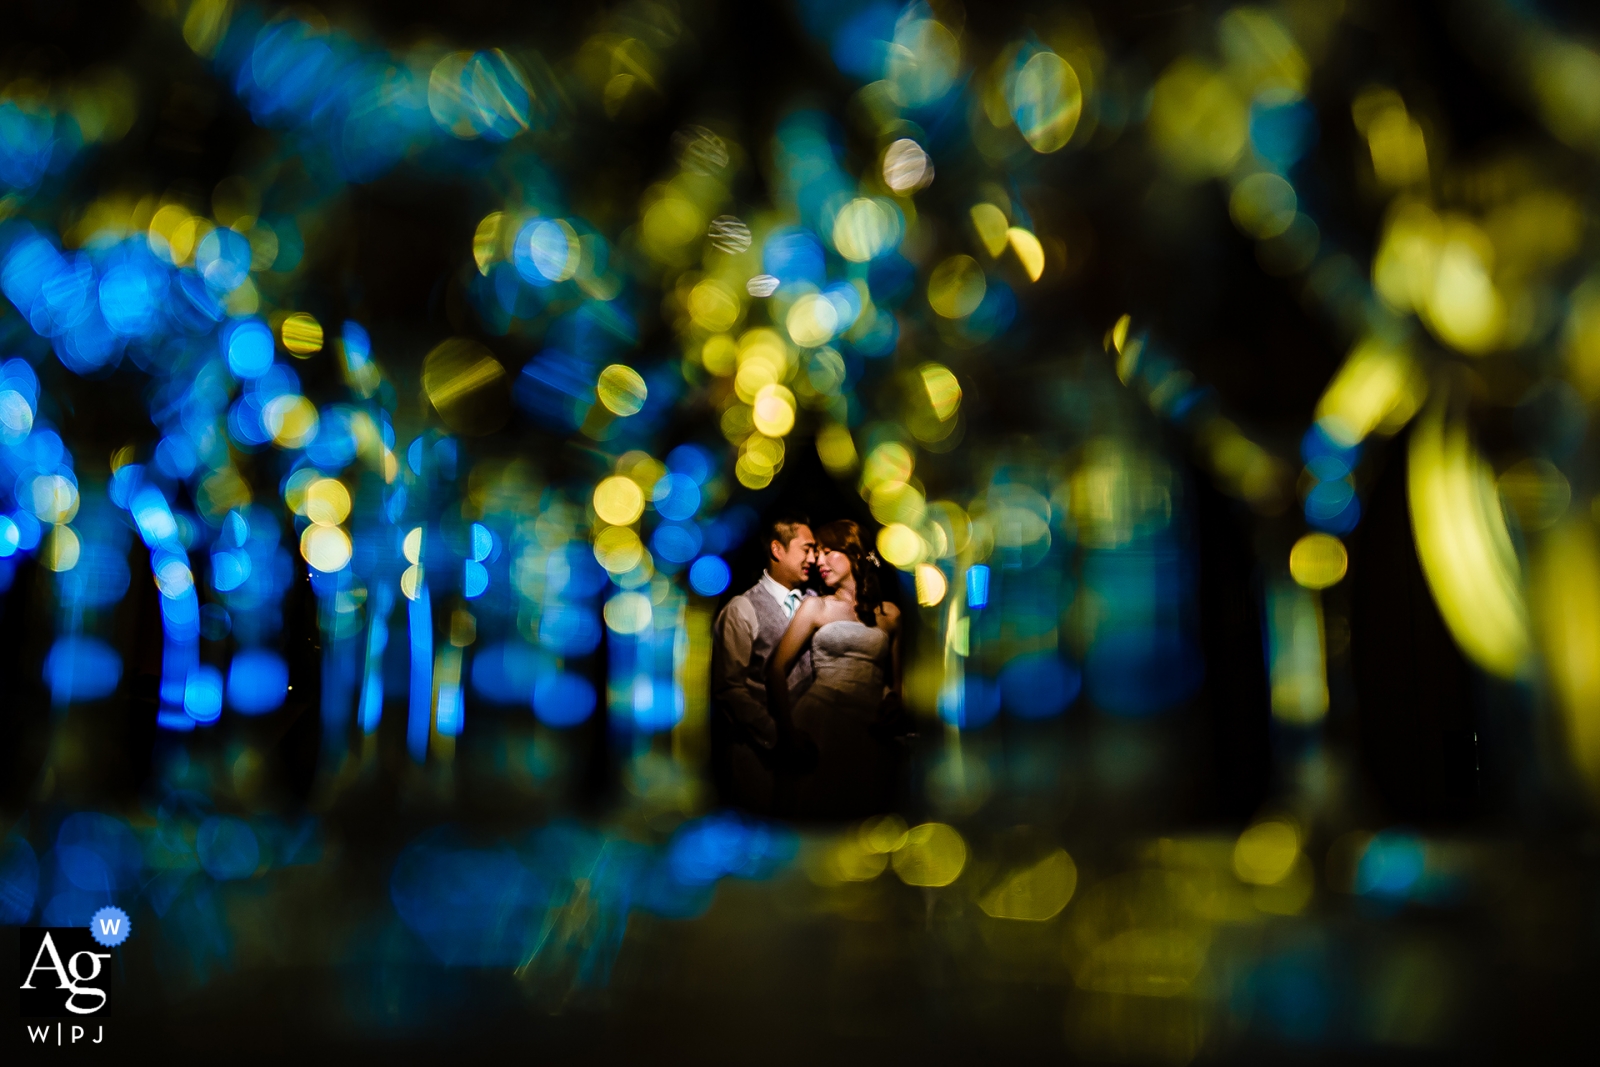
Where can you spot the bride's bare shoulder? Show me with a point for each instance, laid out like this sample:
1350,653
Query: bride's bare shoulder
889,614
811,608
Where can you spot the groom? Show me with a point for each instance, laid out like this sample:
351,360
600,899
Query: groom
744,737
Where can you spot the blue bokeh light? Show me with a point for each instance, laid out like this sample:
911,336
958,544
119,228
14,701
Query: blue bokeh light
80,668
202,694
709,575
258,681
1038,686
676,542
249,348
562,699
676,496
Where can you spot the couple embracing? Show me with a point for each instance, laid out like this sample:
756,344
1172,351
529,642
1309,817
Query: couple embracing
806,679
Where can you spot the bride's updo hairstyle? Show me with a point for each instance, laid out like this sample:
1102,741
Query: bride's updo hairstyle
845,536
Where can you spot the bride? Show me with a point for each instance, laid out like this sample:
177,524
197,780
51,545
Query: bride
854,636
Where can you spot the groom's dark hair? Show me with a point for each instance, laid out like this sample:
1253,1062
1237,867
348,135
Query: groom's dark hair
783,529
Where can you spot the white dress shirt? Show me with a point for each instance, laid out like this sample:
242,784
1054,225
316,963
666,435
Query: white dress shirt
788,599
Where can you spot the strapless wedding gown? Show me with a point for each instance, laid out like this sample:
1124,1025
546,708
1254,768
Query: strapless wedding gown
854,771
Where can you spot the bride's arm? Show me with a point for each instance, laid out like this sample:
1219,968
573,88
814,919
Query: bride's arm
783,657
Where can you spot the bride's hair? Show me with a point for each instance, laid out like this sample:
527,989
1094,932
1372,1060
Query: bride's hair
845,536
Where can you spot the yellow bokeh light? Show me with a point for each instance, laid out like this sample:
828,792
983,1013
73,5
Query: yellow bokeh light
865,229
812,321
944,391
1566,592
1030,253
888,462
836,449
621,389
466,386
1266,853
486,240
411,546
931,585
1379,388
185,236
291,419
411,581
1263,205
643,468
1582,337
221,492
1566,79
714,305
618,500
754,375
1296,655
669,226
1466,551
991,224
900,502
933,855
327,502
628,613
618,549
763,452
736,422
1046,101
760,458
1408,254
956,287
161,233
327,548
1119,332
1464,308
751,474
1036,893
53,498
1197,119
1396,142
205,23
899,545
295,486
773,410
719,355
301,334
1261,53
1318,560
61,549
849,861
1537,493
882,833
245,300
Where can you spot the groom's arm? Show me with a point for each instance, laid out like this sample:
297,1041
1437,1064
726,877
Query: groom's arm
730,674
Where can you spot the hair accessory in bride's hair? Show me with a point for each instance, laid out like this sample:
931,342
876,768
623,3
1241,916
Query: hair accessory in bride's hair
871,557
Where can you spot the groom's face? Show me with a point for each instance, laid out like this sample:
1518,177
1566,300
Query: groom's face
791,563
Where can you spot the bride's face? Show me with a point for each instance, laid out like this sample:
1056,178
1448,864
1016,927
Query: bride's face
833,566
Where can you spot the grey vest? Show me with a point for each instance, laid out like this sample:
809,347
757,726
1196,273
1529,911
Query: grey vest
773,624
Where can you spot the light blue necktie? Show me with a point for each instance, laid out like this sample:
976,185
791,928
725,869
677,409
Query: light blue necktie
791,602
